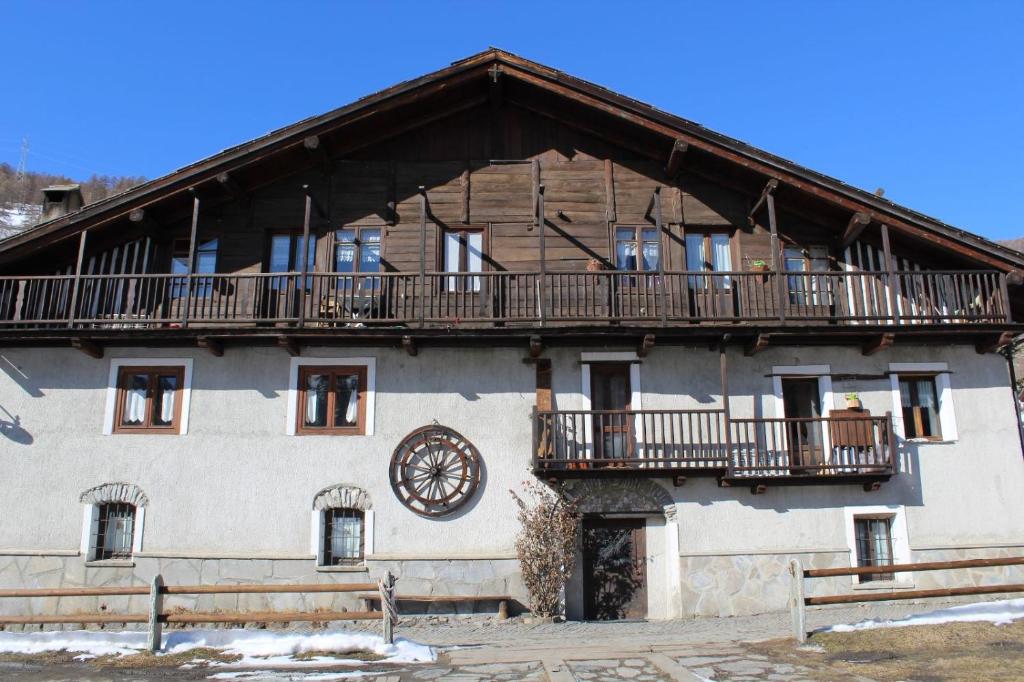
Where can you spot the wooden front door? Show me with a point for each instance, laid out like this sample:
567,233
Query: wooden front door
614,569
802,405
610,397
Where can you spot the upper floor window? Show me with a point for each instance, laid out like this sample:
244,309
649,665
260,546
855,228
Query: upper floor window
874,544
637,248
342,536
357,249
708,252
286,252
805,288
919,399
113,531
332,400
149,399
463,251
206,264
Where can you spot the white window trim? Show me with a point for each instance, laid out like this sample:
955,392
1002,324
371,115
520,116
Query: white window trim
293,387
317,541
89,514
115,367
900,540
947,409
822,372
634,386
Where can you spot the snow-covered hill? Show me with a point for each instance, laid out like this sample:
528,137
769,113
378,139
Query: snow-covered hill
17,217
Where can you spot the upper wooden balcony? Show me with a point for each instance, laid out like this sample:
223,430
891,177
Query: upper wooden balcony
738,451
433,299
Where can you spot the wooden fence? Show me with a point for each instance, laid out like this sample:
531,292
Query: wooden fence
156,617
798,602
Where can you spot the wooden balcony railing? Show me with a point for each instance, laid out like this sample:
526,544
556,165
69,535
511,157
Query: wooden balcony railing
673,442
397,298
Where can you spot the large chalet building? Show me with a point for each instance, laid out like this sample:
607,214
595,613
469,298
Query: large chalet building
332,351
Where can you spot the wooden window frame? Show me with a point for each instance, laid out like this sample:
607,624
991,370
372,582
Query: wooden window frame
917,422
148,427
293,260
875,577
358,243
326,558
181,248
333,371
482,228
638,242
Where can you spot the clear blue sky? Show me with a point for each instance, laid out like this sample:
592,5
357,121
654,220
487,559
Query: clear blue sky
925,99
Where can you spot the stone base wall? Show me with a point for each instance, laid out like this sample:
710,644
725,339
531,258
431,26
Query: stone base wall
429,577
967,577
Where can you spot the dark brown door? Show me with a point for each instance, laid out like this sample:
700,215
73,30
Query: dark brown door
610,396
614,569
802,405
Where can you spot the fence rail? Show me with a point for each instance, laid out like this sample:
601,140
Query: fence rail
498,297
156,616
798,601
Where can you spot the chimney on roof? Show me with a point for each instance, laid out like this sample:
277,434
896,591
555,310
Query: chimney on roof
60,200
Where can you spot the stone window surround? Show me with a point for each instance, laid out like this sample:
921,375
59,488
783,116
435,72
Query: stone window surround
115,369
947,411
341,496
900,542
102,494
293,387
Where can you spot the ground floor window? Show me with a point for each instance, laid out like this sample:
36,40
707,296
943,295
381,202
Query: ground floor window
342,536
874,545
113,531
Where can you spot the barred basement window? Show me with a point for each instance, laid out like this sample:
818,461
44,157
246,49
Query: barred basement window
874,545
113,531
342,537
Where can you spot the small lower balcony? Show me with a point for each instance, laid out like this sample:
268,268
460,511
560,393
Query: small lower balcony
677,444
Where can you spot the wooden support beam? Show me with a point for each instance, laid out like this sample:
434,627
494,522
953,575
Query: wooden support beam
536,346
609,190
464,185
878,344
320,209
994,343
290,344
191,256
758,489
232,187
645,346
392,201
215,346
495,97
73,308
757,344
858,221
90,348
769,190
422,282
315,149
675,158
409,344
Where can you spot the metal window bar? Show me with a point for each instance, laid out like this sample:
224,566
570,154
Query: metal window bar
342,536
113,531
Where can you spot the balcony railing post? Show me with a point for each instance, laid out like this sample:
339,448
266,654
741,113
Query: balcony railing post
423,254
191,258
1004,294
661,256
723,369
890,437
890,276
305,256
542,280
778,264
78,279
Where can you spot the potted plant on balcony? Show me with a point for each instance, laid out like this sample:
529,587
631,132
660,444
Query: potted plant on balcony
758,265
853,401
595,265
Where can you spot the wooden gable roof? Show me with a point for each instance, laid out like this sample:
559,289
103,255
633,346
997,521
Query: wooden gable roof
468,83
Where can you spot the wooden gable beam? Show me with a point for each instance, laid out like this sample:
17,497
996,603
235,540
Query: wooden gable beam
769,189
675,158
290,345
315,149
757,344
536,346
215,346
232,187
858,221
878,344
409,344
646,344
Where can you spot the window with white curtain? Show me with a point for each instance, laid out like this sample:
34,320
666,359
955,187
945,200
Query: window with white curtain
113,531
149,399
357,250
463,251
708,252
342,534
332,400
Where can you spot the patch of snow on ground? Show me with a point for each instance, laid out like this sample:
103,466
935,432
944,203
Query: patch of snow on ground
996,612
256,647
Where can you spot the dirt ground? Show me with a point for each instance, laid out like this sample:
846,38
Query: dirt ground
955,651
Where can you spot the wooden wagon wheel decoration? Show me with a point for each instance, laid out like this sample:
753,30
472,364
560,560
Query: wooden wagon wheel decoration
435,470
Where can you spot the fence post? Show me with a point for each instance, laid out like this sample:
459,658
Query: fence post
386,585
796,600
156,602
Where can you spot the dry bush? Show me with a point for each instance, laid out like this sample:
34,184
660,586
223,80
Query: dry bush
546,544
